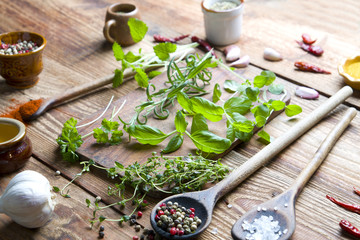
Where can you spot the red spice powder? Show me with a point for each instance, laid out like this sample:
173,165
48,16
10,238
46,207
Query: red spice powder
23,111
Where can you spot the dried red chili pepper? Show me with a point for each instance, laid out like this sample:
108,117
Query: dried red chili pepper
351,207
357,191
307,39
348,227
204,44
159,38
315,50
307,67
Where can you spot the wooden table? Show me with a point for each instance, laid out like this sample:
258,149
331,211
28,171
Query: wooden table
76,53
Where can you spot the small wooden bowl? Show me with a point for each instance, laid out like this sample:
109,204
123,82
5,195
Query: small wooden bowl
350,70
22,70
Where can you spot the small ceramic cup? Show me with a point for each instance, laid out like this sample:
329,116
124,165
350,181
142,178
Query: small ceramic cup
116,28
15,146
22,70
222,27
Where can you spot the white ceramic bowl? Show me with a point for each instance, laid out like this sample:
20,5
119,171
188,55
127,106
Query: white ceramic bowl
222,27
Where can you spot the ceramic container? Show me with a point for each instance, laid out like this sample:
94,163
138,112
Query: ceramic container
350,70
15,146
116,27
22,70
222,27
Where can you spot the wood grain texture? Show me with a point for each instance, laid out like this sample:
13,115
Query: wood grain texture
77,53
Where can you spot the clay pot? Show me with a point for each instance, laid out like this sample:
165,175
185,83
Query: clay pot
22,70
15,146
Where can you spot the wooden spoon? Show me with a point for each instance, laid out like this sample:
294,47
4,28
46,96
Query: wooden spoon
282,207
204,201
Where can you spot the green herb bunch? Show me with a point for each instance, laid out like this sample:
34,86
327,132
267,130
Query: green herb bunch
168,174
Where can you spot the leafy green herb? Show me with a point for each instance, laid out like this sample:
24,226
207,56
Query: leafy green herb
108,127
69,141
138,29
276,89
163,50
174,144
216,93
292,110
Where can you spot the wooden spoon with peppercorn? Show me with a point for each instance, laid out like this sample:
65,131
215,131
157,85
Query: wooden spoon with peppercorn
275,219
204,201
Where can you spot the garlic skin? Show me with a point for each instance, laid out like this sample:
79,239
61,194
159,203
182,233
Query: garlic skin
272,55
27,199
306,93
242,62
232,53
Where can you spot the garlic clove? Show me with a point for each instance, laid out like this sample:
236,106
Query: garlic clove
27,199
232,53
272,55
306,93
242,62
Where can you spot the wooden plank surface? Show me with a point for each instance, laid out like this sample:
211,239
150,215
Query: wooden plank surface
77,53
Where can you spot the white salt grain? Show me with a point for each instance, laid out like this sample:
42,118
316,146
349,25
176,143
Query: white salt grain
262,228
214,231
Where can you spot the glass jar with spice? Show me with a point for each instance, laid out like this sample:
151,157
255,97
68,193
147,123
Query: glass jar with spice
15,146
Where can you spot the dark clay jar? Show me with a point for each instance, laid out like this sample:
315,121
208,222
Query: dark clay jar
15,146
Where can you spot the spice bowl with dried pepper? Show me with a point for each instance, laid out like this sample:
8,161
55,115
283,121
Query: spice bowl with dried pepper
15,146
21,58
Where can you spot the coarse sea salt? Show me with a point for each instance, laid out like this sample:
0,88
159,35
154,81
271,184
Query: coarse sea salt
262,228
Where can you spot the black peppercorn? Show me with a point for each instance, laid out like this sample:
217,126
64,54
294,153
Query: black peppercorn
102,228
101,235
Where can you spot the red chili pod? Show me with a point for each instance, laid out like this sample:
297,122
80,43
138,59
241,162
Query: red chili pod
307,39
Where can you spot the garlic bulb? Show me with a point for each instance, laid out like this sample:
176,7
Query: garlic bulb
232,53
27,199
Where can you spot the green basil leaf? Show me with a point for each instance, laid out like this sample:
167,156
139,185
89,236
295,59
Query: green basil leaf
276,88
141,78
118,52
246,126
184,102
231,86
243,136
180,122
146,134
56,189
163,50
292,110
277,105
237,104
216,93
264,135
209,142
199,123
230,133
138,29
118,78
208,109
174,143
252,93
260,121
266,78
261,110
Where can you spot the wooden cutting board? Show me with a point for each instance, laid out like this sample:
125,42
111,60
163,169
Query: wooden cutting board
129,152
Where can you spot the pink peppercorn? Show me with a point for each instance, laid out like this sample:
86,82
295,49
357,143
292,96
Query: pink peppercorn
181,232
172,211
157,218
161,212
191,215
192,209
139,214
173,231
162,205
135,238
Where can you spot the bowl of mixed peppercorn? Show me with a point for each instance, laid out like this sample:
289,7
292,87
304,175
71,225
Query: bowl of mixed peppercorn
21,58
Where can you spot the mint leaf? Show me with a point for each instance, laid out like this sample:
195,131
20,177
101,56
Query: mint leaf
141,78
264,135
180,122
146,134
131,57
199,123
265,78
216,93
138,29
208,109
276,88
230,133
243,136
260,121
292,110
118,78
174,143
209,142
118,52
163,50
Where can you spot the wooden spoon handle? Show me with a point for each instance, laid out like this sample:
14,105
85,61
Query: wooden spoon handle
323,151
267,153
